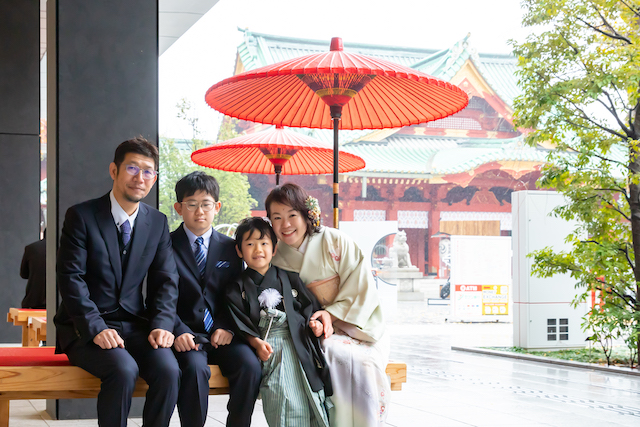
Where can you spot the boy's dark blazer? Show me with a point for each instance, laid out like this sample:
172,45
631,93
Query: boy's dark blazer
90,276
223,265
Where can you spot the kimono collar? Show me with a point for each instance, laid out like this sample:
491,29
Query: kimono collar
259,278
303,246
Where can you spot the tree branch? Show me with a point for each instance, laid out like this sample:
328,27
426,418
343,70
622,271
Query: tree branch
584,116
630,301
613,112
606,159
614,208
614,34
625,250
634,11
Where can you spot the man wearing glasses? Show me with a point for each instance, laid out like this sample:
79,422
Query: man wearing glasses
106,324
207,263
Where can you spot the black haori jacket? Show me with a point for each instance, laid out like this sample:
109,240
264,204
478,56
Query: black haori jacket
299,305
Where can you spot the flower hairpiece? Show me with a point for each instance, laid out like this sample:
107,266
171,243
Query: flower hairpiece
313,210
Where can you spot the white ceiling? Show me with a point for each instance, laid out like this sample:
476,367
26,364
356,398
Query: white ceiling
175,17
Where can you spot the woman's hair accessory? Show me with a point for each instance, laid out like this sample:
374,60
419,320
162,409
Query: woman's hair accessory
313,210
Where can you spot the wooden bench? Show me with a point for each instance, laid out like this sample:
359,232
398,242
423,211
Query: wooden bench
37,331
38,373
22,317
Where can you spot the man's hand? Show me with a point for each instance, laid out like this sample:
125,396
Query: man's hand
263,348
161,338
325,318
185,342
108,338
221,337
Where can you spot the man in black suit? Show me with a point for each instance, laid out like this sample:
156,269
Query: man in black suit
105,324
33,268
207,263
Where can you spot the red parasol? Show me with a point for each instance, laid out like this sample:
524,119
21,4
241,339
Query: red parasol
357,92
278,151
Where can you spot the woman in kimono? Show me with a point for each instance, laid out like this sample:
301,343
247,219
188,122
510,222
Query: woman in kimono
332,266
272,310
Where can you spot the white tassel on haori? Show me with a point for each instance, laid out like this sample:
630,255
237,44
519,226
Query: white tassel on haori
269,298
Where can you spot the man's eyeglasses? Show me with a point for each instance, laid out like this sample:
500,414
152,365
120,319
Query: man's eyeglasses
193,206
134,170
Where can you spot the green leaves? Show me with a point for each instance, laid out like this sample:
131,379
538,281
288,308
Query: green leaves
580,75
175,162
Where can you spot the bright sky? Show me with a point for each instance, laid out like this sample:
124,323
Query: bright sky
206,53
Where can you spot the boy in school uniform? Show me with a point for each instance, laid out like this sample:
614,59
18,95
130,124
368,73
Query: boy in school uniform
207,262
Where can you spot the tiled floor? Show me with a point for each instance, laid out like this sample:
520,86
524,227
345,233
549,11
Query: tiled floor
455,389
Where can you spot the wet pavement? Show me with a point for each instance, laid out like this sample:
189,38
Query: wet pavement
448,388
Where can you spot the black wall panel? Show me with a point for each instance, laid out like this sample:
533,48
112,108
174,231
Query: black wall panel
19,148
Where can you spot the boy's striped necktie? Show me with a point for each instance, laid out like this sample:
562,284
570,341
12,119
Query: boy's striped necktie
201,260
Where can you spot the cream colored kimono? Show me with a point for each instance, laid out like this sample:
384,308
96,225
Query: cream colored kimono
357,354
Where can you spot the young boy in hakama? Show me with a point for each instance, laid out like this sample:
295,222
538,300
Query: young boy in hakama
272,310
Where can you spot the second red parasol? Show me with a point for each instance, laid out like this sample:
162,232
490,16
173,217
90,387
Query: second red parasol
275,151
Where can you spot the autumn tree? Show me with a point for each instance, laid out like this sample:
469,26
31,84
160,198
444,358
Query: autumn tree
580,73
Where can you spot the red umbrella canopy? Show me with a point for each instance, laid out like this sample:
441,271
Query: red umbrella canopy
373,93
264,152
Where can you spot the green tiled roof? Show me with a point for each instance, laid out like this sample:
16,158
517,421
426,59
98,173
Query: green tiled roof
258,50
432,155
400,154
497,70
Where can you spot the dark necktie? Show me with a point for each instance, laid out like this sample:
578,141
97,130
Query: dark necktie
201,260
125,229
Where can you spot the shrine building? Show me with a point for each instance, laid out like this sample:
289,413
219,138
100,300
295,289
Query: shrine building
454,175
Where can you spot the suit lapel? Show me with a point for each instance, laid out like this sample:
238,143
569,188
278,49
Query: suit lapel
109,233
184,250
140,237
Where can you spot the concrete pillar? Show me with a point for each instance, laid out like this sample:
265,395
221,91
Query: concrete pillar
19,148
102,89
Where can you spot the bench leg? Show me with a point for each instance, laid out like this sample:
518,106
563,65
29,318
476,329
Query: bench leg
25,335
4,413
32,337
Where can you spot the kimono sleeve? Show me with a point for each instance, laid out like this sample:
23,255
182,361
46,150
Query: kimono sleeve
239,312
357,299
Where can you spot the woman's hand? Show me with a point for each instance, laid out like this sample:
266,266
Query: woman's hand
324,317
316,327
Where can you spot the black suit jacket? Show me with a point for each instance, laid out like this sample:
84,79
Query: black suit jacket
223,265
90,277
33,268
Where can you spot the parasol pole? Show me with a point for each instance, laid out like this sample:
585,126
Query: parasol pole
277,169
336,113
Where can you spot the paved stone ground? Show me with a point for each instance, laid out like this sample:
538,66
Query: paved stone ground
457,389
